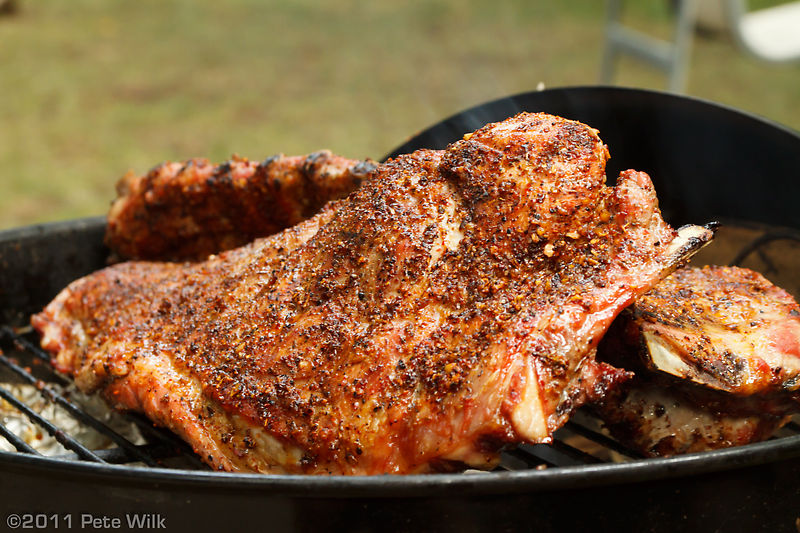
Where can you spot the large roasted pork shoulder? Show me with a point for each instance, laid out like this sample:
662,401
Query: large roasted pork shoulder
447,308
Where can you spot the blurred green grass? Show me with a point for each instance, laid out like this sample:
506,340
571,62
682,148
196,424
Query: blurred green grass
92,88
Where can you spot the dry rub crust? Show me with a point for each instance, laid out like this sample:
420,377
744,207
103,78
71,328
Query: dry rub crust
449,307
189,210
149,381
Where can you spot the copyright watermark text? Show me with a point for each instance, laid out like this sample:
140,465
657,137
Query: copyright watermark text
86,521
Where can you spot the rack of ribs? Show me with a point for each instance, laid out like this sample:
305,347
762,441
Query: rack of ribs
449,307
716,357
189,210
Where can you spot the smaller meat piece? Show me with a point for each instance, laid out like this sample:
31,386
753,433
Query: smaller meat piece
189,210
662,416
716,357
726,328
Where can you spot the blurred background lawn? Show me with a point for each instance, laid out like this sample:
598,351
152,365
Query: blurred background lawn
92,88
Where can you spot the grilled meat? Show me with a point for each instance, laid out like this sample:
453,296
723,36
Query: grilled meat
727,328
448,307
661,416
716,352
189,210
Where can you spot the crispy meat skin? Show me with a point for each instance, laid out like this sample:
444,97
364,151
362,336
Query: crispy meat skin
449,306
716,353
192,209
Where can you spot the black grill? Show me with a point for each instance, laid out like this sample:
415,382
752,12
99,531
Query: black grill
580,442
708,163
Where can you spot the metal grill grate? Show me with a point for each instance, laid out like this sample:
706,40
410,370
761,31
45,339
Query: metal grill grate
21,361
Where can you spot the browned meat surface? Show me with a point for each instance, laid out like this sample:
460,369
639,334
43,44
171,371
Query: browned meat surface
726,328
192,209
448,307
716,352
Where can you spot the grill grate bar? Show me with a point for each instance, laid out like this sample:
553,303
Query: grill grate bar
53,430
521,459
575,453
121,456
27,346
558,453
167,438
602,440
77,413
17,442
